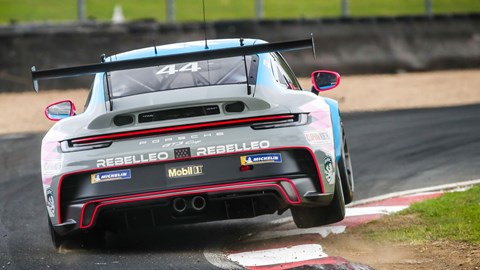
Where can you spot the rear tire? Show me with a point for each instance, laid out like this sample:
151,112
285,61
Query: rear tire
345,169
57,239
307,217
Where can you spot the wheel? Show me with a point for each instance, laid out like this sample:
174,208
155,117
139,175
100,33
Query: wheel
57,240
345,169
307,217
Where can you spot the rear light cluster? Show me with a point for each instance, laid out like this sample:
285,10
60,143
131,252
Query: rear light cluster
296,120
69,146
256,123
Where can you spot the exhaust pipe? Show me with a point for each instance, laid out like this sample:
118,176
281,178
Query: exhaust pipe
179,205
198,203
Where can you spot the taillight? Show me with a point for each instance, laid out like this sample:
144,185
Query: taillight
68,146
297,120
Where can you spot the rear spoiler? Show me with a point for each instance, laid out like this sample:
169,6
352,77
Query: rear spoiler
169,59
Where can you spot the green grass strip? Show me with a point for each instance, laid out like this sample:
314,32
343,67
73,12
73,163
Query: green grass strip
191,10
454,216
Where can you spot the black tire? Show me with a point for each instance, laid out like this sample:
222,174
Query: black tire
91,239
307,217
346,172
57,239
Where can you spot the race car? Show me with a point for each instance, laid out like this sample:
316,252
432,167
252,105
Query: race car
193,132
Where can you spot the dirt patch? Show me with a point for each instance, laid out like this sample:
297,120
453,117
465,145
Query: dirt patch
401,256
388,255
406,90
23,112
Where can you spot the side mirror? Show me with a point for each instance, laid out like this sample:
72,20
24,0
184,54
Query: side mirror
324,80
60,110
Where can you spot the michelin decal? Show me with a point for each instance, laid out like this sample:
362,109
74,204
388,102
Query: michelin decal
110,176
261,159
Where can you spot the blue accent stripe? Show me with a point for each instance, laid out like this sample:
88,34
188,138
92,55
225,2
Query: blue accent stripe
337,129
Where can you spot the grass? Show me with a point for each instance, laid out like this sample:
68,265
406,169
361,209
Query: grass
191,10
453,216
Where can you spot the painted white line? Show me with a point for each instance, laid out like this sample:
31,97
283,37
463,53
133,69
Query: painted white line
220,260
458,185
373,210
422,194
279,255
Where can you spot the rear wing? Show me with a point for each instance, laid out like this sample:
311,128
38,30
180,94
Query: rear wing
169,59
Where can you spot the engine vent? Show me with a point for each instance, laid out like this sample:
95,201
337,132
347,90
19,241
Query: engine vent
235,107
123,120
178,113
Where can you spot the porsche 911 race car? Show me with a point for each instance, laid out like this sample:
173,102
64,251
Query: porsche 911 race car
193,132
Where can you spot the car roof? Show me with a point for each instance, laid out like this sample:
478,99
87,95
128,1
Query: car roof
183,47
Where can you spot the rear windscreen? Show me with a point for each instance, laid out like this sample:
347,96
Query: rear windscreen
223,71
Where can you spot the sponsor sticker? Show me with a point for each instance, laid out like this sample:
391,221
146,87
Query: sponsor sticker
231,148
111,176
50,203
261,159
135,159
316,138
185,171
329,174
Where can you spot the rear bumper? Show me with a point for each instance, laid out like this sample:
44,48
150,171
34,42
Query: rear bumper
265,189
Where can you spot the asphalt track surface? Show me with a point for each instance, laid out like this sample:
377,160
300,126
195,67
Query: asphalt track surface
391,151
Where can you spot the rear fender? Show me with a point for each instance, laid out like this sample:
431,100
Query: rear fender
337,129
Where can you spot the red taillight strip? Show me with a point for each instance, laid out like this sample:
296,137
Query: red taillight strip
189,191
182,128
312,154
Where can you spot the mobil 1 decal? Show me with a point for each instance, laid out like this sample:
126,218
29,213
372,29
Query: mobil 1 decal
261,159
185,171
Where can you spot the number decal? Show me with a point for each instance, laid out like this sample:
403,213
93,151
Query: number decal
192,67
170,69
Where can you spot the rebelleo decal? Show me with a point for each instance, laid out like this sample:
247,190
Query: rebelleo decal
231,148
135,159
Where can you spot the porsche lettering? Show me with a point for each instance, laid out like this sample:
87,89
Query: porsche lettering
181,140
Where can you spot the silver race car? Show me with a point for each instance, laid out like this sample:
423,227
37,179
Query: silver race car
192,132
